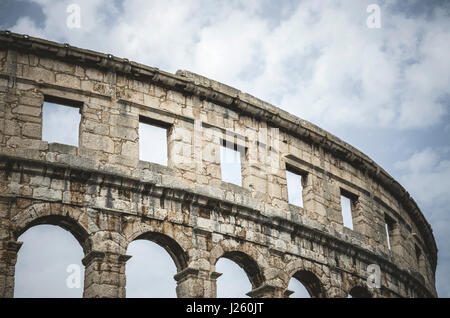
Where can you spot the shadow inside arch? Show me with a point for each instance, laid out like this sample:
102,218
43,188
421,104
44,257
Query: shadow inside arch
360,292
248,264
176,252
67,223
311,283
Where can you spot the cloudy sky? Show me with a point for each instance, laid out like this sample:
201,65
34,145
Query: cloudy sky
384,90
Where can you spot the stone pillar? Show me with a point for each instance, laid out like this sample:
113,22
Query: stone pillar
336,292
269,291
104,275
316,198
8,258
195,283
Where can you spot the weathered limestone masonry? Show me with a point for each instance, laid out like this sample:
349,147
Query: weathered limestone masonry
106,197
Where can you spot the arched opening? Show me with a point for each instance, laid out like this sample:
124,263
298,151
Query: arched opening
298,289
359,292
156,258
49,262
240,274
68,224
305,284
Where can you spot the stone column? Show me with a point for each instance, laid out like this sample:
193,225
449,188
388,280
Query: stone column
336,292
9,248
195,283
104,275
8,258
316,198
269,291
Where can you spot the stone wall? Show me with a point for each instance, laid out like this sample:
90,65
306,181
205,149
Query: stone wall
106,197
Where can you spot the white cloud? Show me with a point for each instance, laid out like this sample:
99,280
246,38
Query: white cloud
25,25
321,62
426,175
424,160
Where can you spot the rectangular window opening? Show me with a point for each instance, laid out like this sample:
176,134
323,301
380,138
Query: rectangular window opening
295,180
418,253
348,202
388,234
389,227
420,258
61,120
153,141
230,162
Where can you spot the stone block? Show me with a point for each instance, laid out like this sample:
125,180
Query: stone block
27,110
68,80
32,130
97,142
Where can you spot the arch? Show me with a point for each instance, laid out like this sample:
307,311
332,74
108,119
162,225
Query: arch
176,252
296,289
307,273
310,281
247,256
360,292
150,271
248,264
169,236
56,253
231,280
51,214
